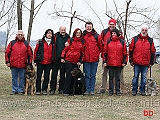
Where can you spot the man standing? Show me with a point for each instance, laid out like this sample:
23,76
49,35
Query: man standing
91,51
60,38
105,35
141,56
18,53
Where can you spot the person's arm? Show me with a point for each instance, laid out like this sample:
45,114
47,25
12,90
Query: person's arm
131,50
153,51
8,54
30,54
125,55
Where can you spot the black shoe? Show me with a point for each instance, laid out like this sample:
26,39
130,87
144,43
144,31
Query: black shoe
91,93
20,93
61,92
52,92
44,92
110,94
37,93
134,93
118,93
13,93
65,94
86,93
143,93
101,91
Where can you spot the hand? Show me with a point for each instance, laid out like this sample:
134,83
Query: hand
131,64
62,60
79,64
35,64
67,44
105,64
123,65
8,64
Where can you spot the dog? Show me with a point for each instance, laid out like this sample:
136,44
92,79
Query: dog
79,82
151,87
30,77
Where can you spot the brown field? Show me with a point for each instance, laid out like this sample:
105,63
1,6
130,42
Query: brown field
58,107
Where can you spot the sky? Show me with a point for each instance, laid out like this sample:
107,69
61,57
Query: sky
43,21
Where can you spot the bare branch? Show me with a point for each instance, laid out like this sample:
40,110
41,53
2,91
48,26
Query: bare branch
94,13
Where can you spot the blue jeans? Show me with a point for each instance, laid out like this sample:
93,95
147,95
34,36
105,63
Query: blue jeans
18,79
137,70
90,70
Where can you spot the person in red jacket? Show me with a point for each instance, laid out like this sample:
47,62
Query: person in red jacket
18,53
72,58
114,57
105,35
43,60
93,46
141,57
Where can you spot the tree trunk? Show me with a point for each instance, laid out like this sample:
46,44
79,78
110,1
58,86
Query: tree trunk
30,20
19,14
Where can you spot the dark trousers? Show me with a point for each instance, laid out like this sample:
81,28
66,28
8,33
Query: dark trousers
114,71
55,67
40,69
69,81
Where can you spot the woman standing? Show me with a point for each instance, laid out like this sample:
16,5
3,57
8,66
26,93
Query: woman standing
71,57
43,60
114,55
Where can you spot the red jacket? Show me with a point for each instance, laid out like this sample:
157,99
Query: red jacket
47,53
107,35
73,52
141,52
18,55
115,52
92,47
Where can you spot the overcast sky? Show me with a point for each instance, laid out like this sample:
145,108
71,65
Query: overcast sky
42,21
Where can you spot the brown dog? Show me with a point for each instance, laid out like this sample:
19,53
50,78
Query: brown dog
30,76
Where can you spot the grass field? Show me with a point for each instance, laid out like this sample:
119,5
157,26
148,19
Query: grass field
58,107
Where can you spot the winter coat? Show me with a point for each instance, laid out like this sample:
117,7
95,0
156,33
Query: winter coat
92,47
141,52
59,44
115,52
46,52
73,52
18,55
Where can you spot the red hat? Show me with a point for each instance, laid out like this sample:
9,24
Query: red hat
112,20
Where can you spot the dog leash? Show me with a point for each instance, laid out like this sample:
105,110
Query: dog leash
150,71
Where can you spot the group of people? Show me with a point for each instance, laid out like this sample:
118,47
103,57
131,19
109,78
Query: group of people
61,52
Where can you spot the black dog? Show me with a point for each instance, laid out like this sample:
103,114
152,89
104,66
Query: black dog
79,82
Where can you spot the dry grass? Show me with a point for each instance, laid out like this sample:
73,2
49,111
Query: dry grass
58,107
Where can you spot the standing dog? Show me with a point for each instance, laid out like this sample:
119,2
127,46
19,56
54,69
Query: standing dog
79,82
151,87
30,76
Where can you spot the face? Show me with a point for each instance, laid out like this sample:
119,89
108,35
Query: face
78,33
89,27
144,31
20,35
111,25
114,34
49,34
62,30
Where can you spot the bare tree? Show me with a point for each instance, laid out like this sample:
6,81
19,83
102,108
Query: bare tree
33,12
59,12
6,7
8,17
126,17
